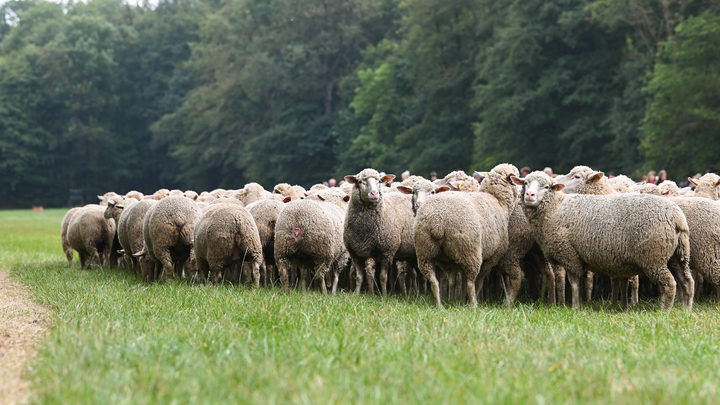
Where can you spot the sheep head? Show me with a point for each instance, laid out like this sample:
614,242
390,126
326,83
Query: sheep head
578,178
420,192
367,182
537,188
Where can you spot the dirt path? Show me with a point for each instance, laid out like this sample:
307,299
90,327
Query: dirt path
23,323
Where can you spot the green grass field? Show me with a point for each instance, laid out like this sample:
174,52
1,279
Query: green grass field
117,339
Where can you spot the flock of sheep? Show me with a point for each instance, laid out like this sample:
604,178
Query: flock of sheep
448,234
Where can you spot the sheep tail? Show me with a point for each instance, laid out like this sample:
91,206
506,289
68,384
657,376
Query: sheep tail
682,251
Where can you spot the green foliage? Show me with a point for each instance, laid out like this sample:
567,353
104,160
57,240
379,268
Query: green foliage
682,120
205,93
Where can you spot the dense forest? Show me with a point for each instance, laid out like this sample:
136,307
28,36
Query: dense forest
199,94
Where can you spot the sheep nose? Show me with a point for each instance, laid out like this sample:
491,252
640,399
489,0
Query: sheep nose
374,194
418,205
530,194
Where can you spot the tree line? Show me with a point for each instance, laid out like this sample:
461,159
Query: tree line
199,94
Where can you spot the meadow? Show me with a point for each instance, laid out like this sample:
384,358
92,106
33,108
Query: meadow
117,339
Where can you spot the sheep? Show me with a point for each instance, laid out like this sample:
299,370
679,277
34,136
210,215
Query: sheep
265,213
168,233
703,218
621,235
160,194
63,235
91,235
135,194
669,188
584,180
227,200
420,191
252,192
130,231
105,197
466,232
176,192
707,186
377,226
191,195
287,192
217,192
115,208
308,234
622,184
227,236
459,181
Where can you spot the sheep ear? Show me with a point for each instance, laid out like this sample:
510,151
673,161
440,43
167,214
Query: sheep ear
196,197
637,187
351,179
597,176
100,197
139,254
121,251
518,181
287,199
558,187
442,189
276,191
664,192
387,178
321,198
346,198
111,202
456,184
405,190
693,181
119,205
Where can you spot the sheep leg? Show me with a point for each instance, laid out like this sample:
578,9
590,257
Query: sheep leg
470,288
320,275
256,273
69,256
384,266
402,269
282,266
263,274
428,270
549,278
358,264
634,290
203,270
560,283
682,274
623,284
83,259
370,275
589,281
614,290
514,277
336,278
574,288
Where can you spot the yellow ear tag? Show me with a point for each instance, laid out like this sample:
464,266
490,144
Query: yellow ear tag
460,186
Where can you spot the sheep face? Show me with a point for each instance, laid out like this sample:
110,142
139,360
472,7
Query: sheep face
577,176
368,184
537,187
420,192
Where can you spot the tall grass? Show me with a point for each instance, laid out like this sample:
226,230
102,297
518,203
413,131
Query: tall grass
117,339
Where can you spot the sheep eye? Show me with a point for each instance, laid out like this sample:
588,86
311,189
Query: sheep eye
577,176
546,187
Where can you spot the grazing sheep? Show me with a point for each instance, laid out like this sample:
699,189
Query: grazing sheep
227,236
130,231
265,213
621,235
707,186
168,233
91,235
584,180
377,226
308,234
63,235
466,233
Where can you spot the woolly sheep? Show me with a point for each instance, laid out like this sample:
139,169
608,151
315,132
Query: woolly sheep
621,235
459,181
136,195
252,192
265,213
160,194
287,192
622,184
130,231
168,233
707,186
176,192
584,180
191,195
91,235
63,235
377,226
466,232
227,236
308,234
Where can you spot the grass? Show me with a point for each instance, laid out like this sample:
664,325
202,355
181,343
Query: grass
117,339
